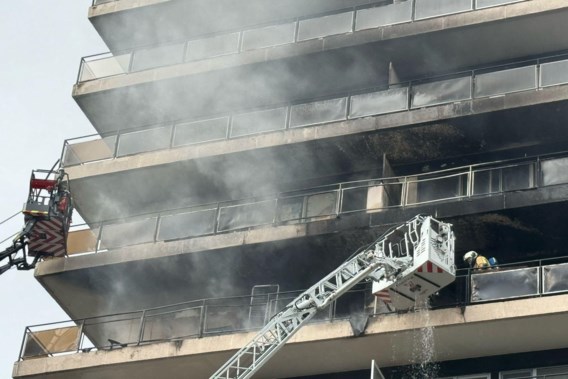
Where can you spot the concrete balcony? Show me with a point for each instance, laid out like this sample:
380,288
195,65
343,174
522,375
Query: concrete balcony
475,113
324,64
124,24
226,249
480,330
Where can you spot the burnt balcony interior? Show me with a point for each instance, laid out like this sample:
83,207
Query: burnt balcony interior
516,133
511,236
323,74
181,20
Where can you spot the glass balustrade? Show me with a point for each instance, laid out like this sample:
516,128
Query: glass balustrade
369,196
435,8
505,81
403,97
318,112
385,15
275,35
216,316
554,73
441,92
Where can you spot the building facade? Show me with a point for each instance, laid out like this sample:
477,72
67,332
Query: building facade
245,149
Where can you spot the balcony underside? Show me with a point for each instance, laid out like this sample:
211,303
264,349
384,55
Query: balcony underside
126,24
450,136
509,226
481,330
324,66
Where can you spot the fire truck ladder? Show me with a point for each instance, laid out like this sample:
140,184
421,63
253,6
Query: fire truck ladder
384,261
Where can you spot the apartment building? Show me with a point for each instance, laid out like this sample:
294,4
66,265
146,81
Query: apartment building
243,149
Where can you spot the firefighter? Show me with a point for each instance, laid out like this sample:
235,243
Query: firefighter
476,261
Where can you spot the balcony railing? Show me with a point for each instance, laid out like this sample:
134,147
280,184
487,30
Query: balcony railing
323,203
487,82
293,31
209,317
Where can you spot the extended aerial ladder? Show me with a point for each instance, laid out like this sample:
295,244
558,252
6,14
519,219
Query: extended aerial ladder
410,262
47,216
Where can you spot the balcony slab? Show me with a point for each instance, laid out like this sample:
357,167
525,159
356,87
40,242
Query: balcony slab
325,66
479,330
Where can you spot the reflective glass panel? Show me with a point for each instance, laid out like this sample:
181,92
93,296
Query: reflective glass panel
492,3
246,215
89,151
144,141
391,100
157,57
505,81
212,47
322,204
554,171
433,8
258,122
269,36
172,324
504,284
187,133
553,73
318,112
437,189
444,91
385,15
518,177
128,233
186,225
555,278
325,26
104,67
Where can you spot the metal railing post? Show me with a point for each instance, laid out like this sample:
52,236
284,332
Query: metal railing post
21,353
80,336
142,327
99,238
202,317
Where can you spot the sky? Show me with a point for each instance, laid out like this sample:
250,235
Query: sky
41,44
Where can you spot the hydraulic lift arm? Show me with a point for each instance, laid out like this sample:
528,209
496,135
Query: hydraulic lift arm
388,261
